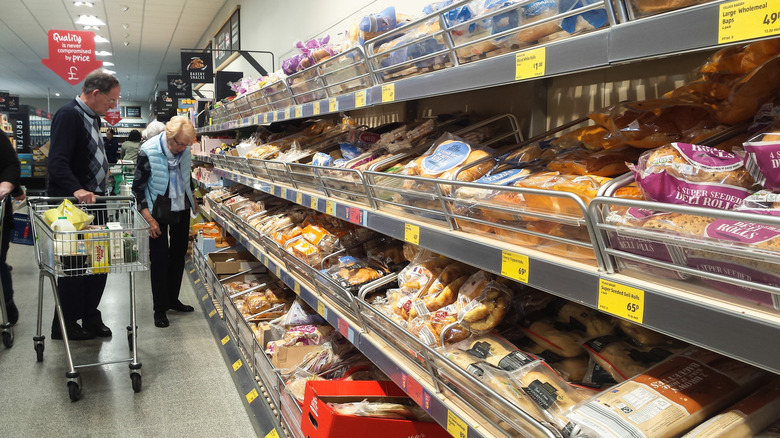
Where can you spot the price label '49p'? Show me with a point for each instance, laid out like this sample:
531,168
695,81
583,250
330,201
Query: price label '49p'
746,19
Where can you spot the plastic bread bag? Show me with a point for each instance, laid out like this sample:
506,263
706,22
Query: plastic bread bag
421,273
562,341
644,337
399,304
668,399
396,411
762,158
443,291
489,348
688,174
321,238
653,123
315,362
296,385
482,304
750,92
373,25
612,162
299,314
430,327
464,34
304,251
351,273
73,214
389,255
623,360
578,317
536,389
746,418
422,39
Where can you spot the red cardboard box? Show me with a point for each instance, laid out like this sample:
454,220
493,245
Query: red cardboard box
320,421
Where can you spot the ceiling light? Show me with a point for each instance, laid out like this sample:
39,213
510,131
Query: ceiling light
91,28
125,8
57,94
108,64
125,25
102,53
89,4
126,43
111,72
100,39
90,20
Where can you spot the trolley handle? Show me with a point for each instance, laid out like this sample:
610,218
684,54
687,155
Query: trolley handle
50,199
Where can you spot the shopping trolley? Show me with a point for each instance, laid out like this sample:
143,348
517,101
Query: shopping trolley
119,244
5,326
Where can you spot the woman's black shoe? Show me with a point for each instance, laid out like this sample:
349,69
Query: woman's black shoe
160,319
181,307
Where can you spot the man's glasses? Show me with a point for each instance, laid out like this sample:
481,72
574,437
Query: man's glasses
113,101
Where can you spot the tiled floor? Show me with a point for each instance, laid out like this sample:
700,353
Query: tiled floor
187,390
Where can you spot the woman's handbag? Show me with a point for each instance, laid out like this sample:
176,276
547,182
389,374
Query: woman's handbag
161,212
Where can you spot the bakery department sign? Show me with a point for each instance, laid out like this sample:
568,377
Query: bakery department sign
197,67
72,54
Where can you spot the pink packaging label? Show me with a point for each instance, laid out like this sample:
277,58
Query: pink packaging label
708,158
744,232
663,187
740,272
763,163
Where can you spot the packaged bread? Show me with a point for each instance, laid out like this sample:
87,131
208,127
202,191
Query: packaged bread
649,7
688,174
587,320
565,343
623,360
610,162
482,303
489,348
762,158
745,419
750,92
650,124
304,250
668,399
641,336
433,327
351,273
571,369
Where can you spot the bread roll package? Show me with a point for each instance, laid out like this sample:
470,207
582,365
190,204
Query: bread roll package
623,360
746,418
762,159
489,348
666,400
689,174
643,337
560,340
592,322
611,162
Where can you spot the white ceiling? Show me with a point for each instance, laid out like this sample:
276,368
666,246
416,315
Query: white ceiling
155,29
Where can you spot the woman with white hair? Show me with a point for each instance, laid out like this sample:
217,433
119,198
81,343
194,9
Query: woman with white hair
163,191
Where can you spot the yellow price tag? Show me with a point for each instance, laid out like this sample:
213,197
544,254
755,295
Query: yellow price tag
330,208
745,19
360,99
333,105
236,365
276,116
204,297
530,64
251,396
412,234
286,113
197,280
316,108
284,192
321,309
298,112
456,427
225,340
297,289
278,272
514,266
621,300
388,93
313,203
212,313
299,198
192,270
272,434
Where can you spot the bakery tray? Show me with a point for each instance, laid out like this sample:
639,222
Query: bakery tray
278,95
306,85
346,72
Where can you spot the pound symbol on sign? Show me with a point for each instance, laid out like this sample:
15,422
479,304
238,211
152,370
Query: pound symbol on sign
72,72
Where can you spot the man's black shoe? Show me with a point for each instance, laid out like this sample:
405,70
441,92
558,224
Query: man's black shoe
98,328
75,333
12,312
181,307
161,319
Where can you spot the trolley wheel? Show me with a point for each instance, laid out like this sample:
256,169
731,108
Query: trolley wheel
39,351
136,379
74,391
8,338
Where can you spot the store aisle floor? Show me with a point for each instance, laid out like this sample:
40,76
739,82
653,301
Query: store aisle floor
187,389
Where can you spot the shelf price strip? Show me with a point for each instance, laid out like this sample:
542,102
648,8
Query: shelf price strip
745,19
530,64
515,266
456,427
621,300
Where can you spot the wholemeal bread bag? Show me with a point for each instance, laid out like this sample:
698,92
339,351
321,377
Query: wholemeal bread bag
668,399
746,418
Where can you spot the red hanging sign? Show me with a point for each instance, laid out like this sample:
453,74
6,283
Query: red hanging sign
112,116
72,54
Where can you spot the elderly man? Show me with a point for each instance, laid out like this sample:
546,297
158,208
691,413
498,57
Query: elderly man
78,167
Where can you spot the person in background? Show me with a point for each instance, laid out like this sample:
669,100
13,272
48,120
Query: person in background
78,167
131,145
111,146
153,128
163,170
10,175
